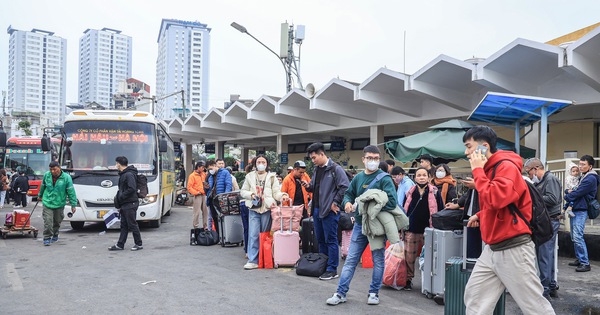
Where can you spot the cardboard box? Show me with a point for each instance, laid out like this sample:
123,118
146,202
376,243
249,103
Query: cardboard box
20,218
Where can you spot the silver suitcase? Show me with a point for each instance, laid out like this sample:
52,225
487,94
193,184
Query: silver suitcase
231,230
439,247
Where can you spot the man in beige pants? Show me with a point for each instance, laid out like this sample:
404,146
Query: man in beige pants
195,187
508,261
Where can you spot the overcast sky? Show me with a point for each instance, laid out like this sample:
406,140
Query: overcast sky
349,39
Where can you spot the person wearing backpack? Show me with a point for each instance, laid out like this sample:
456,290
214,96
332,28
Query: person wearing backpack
127,202
550,188
508,260
580,197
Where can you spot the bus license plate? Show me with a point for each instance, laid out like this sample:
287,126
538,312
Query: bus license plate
101,213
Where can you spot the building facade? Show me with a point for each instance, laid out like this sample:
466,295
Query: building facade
36,74
182,64
104,61
133,95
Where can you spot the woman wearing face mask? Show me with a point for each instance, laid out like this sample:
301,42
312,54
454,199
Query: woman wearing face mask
261,191
422,200
445,183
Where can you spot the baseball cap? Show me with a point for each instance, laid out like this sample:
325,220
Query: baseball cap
300,164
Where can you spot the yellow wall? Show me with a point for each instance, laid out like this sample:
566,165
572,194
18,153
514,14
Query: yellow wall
577,136
573,36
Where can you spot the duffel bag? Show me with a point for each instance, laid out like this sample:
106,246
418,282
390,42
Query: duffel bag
448,219
311,265
207,238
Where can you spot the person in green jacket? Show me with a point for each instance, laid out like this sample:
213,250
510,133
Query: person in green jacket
54,189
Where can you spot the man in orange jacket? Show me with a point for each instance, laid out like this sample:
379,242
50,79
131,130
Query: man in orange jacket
195,187
292,185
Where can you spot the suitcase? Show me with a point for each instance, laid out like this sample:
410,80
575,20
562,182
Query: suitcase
458,270
231,230
346,239
440,245
309,238
285,247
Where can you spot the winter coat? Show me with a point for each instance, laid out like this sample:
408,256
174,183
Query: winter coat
54,194
21,184
223,183
127,194
585,191
271,192
195,184
377,223
497,223
550,188
331,188
289,186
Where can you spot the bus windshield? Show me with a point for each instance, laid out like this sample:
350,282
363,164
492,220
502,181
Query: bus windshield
93,145
32,160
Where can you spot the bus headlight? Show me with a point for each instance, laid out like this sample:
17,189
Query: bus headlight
149,199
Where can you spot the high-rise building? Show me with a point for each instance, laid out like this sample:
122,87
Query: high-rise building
182,64
104,61
37,70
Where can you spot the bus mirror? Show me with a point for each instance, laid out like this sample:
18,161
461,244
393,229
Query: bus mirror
46,143
2,138
162,145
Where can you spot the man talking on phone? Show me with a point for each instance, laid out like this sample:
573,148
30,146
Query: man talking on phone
508,260
292,185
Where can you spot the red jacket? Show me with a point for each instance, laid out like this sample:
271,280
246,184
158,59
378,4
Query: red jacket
507,186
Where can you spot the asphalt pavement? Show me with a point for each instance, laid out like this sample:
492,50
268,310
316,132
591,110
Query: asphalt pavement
78,275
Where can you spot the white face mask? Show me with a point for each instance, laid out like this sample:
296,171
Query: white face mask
211,171
440,174
261,167
535,179
372,165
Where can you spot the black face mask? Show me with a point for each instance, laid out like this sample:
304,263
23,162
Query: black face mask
422,185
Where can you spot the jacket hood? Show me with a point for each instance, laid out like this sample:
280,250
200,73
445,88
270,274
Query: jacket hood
503,155
130,169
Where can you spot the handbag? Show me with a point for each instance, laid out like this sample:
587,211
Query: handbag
448,219
346,221
265,251
593,208
207,238
311,265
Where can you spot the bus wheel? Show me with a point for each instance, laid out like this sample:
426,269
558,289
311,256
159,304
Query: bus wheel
77,225
155,223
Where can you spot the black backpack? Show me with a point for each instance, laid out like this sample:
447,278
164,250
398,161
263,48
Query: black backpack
142,185
540,225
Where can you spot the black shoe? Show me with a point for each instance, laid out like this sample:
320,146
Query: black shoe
115,247
583,268
439,299
328,275
408,286
554,293
575,263
137,247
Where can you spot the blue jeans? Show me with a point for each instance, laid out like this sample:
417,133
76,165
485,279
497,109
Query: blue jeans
357,246
257,222
244,212
545,258
577,226
326,231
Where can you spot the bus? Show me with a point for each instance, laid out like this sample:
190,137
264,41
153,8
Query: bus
25,154
92,141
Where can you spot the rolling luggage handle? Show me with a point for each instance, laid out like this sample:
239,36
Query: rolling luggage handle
29,217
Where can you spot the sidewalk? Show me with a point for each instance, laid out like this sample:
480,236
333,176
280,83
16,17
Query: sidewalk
592,240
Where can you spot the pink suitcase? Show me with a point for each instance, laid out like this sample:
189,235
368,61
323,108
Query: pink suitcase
286,248
346,238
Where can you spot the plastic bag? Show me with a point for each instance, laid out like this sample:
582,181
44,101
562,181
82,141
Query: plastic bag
394,274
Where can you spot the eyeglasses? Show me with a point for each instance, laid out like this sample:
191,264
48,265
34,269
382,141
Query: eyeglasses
371,159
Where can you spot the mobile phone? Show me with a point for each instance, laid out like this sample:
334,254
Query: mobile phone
458,177
482,148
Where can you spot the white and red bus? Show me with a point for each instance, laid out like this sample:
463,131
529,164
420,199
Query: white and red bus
25,154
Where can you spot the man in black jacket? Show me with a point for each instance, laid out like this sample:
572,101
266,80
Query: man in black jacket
550,187
20,187
127,201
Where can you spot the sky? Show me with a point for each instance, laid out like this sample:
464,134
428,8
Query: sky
348,39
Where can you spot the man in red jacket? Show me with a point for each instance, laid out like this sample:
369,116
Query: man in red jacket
508,260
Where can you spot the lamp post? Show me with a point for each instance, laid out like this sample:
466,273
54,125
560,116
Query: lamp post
289,60
153,99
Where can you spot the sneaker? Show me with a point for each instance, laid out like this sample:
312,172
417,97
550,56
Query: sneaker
250,266
554,293
373,299
575,263
583,268
336,299
115,247
328,275
47,242
54,239
137,247
408,286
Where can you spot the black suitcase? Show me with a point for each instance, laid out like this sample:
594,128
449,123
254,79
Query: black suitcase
308,237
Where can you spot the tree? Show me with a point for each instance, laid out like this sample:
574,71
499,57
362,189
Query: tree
25,125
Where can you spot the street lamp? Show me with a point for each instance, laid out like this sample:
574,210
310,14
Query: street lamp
289,60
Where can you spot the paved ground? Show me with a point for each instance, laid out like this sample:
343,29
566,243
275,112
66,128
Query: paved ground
78,275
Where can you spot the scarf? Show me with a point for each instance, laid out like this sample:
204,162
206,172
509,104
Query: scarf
444,182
